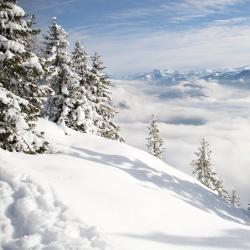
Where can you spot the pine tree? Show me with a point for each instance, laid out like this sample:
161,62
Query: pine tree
59,76
101,96
204,171
155,144
84,117
234,199
32,40
34,47
19,92
248,208
219,187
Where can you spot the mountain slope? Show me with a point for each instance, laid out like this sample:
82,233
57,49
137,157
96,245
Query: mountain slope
136,200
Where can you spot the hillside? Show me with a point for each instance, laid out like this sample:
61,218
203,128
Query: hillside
137,202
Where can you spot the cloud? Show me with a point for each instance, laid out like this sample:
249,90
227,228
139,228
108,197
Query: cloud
221,116
178,120
43,5
216,45
129,45
180,10
232,21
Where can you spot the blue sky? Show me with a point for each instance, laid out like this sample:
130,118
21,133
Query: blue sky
139,35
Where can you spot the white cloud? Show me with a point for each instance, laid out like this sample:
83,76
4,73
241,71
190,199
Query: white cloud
226,115
180,10
232,21
217,45
45,5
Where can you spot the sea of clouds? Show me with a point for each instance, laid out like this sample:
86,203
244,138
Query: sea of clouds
188,111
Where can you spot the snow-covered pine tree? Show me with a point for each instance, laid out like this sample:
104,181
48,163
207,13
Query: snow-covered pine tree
219,187
32,40
101,95
234,199
155,145
19,91
248,208
59,76
204,171
33,46
84,117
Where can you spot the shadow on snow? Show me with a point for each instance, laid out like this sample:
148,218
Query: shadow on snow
232,239
187,191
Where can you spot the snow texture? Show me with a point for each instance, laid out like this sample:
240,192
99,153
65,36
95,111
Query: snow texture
31,217
136,200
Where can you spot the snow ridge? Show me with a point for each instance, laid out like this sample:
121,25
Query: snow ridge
31,217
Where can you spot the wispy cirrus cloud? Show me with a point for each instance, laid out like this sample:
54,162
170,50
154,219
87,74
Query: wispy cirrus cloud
56,4
40,5
181,10
222,43
133,38
232,21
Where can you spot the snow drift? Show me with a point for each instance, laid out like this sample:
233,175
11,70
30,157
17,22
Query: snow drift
31,217
56,201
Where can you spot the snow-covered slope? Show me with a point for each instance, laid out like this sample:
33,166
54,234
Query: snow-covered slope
137,201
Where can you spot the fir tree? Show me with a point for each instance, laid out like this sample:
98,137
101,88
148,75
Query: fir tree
19,92
234,199
219,187
101,96
204,171
32,40
59,76
155,144
248,208
84,117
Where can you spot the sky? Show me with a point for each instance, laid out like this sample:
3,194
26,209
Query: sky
135,36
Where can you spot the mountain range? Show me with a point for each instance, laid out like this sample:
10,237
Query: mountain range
238,77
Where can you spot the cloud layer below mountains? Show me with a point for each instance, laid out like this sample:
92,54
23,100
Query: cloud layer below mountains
187,112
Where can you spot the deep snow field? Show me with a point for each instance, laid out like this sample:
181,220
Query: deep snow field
94,193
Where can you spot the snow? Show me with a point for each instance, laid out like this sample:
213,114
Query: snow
13,10
31,217
21,123
11,45
33,62
135,200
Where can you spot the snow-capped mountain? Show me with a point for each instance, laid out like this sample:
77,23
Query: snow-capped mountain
136,200
236,77
166,75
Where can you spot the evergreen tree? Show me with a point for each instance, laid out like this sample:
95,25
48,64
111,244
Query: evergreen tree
32,40
234,199
59,76
219,187
84,117
204,171
155,143
34,47
248,208
19,92
101,96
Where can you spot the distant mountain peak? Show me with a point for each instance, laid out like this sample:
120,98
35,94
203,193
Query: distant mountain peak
231,76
